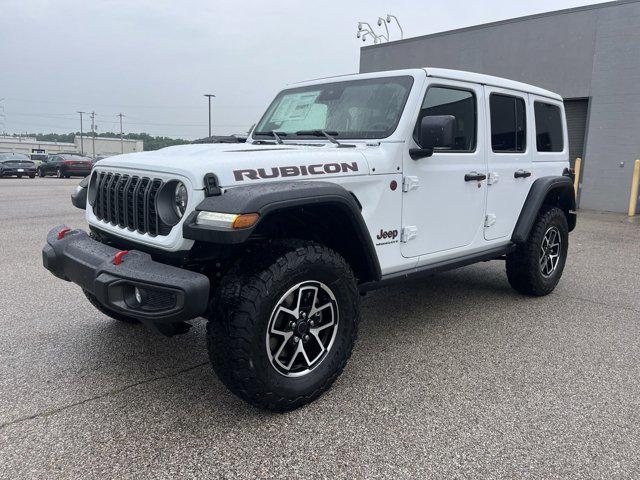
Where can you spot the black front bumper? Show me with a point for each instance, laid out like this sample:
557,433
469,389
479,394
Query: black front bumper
168,294
14,171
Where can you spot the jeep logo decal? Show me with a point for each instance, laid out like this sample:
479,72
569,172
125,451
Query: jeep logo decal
294,171
391,234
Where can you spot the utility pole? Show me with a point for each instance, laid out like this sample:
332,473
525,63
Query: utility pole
81,134
121,142
93,132
2,116
209,95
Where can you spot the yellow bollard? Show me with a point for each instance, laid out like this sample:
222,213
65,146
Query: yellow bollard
633,199
576,178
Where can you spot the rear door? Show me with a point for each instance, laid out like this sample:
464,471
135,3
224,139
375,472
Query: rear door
510,160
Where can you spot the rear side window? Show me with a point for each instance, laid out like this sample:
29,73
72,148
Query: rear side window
548,127
459,103
508,124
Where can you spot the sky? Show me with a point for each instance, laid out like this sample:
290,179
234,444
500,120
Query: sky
153,60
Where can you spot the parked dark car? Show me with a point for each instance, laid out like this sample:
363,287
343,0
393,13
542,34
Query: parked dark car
16,165
65,165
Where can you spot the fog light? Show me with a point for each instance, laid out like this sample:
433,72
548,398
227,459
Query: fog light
138,294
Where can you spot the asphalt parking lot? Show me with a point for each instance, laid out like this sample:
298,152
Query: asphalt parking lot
455,376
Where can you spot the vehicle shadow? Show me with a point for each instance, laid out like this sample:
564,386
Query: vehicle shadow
176,371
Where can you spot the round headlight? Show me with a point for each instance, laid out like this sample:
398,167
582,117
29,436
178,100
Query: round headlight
180,197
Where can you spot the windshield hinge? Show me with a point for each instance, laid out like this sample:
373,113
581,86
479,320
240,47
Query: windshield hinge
211,185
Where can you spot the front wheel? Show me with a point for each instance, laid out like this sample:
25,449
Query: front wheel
283,327
535,267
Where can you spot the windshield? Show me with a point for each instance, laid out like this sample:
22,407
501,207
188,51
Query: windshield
352,109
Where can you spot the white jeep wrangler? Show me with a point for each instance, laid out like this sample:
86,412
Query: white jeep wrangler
345,185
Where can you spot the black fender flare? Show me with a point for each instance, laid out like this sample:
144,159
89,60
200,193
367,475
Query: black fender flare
560,188
269,198
79,196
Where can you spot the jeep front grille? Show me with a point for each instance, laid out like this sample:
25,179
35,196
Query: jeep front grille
129,202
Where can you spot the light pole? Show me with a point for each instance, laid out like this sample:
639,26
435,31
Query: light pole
382,23
209,95
93,133
389,17
81,135
121,142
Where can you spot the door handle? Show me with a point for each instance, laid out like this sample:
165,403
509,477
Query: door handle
474,176
521,174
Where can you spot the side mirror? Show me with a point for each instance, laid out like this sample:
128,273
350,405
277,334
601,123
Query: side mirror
435,131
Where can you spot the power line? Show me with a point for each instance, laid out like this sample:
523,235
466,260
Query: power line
128,106
141,122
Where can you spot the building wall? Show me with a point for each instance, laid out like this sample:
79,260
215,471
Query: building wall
585,52
26,145
104,147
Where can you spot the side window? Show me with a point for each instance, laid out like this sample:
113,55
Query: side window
459,103
548,127
508,124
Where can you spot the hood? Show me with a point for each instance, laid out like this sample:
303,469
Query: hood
244,163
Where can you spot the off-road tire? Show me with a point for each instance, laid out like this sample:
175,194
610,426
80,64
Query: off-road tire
241,311
108,312
523,264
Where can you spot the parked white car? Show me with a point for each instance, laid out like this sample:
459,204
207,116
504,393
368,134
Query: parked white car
344,185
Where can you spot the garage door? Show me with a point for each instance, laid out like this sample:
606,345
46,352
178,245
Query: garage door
576,110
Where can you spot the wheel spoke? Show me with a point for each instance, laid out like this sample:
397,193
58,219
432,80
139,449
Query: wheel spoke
303,300
299,349
276,356
317,330
315,309
292,313
543,259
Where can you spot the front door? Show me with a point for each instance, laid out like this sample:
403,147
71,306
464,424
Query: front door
444,200
509,156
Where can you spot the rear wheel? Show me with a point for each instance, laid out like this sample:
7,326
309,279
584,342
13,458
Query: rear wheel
535,267
32,175
108,312
282,328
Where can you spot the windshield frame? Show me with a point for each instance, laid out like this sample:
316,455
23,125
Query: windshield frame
289,137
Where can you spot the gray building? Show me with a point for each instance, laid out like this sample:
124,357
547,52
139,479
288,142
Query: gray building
589,55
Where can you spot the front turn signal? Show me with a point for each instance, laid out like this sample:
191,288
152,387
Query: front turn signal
245,220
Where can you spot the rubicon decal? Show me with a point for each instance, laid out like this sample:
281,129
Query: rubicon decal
294,171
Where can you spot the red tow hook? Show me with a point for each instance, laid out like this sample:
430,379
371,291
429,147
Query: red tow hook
117,258
63,232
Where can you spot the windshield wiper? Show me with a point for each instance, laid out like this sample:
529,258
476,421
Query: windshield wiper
323,133
274,134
